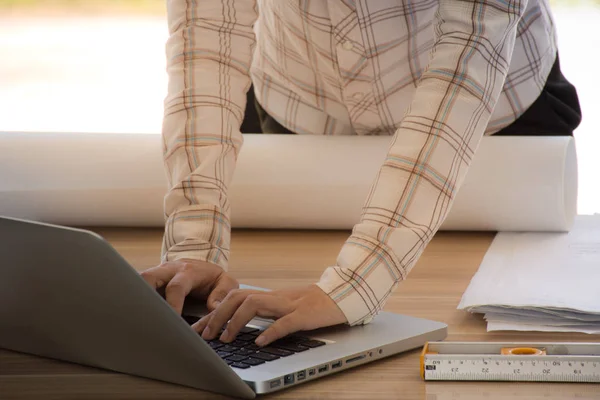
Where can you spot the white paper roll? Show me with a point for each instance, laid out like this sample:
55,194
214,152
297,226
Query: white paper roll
281,181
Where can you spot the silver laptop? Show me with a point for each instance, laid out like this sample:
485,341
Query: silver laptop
67,294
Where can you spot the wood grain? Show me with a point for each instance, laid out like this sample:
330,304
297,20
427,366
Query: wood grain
278,259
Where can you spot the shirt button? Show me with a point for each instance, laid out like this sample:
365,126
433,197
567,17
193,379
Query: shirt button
357,96
347,45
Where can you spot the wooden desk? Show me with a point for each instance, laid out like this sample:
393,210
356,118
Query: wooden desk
432,291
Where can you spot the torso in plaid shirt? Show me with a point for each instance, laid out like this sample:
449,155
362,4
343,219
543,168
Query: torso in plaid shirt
436,74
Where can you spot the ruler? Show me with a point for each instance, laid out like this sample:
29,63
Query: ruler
510,361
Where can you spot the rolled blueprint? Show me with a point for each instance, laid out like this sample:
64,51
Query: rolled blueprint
281,181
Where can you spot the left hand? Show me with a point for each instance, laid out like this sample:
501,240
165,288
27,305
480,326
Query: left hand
294,310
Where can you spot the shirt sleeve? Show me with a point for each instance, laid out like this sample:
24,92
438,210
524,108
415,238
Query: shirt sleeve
209,53
429,155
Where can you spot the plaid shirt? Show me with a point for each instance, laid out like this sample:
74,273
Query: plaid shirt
435,74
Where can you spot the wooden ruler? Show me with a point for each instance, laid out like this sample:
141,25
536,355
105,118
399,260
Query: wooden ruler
510,361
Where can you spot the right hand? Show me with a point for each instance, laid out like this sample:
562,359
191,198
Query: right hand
198,279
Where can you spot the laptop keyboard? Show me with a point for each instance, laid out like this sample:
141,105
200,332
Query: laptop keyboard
243,353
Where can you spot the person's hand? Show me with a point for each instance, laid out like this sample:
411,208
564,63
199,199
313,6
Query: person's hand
294,310
198,279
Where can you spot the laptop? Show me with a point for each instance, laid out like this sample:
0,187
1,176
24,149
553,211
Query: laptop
67,294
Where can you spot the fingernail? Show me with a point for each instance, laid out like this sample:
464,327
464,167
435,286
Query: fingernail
216,303
206,333
261,341
224,335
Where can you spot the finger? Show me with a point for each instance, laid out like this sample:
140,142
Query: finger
224,285
224,312
200,325
177,289
160,275
282,327
262,305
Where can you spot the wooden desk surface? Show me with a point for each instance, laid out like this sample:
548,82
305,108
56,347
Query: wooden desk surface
432,290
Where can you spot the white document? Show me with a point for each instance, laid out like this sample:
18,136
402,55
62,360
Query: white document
540,281
525,319
504,326
538,313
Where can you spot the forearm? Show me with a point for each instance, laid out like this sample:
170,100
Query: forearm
209,52
430,154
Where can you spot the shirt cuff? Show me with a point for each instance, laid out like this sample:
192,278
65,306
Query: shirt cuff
199,233
368,271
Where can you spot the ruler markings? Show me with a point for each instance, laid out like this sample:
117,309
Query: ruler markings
495,367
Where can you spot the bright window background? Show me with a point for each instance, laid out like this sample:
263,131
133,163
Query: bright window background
99,66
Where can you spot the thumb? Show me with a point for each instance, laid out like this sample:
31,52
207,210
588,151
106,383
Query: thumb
224,285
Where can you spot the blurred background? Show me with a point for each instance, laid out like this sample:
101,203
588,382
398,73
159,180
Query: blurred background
99,66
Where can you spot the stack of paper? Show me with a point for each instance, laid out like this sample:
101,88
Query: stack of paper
540,281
